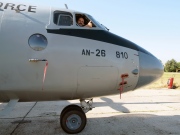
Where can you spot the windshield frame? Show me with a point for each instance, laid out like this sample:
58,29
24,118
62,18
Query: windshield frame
94,21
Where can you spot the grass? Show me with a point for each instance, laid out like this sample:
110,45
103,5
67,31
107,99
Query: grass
162,82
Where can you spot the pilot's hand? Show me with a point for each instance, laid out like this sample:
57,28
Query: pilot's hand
89,24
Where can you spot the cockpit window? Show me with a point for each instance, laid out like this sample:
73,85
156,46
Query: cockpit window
85,19
63,18
89,21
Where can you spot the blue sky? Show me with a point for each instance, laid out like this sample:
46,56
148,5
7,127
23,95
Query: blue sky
152,24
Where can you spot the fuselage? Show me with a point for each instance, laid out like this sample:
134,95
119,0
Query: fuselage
82,62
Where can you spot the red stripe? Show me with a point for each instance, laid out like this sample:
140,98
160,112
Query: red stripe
45,69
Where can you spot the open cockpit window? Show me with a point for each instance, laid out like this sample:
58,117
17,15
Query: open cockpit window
62,18
83,21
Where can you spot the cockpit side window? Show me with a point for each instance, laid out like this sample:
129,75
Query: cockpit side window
62,18
85,19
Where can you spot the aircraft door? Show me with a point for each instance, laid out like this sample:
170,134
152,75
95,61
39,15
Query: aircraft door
96,80
36,48
48,57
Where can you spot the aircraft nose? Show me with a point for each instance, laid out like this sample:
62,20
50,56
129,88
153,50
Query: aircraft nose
150,69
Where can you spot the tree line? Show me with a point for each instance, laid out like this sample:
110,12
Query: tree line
171,66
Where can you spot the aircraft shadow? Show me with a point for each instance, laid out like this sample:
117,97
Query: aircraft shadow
118,106
109,102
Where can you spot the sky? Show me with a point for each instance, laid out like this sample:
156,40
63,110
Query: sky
151,24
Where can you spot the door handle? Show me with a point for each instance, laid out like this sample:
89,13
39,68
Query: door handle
36,60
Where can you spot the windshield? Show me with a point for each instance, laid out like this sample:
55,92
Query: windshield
96,22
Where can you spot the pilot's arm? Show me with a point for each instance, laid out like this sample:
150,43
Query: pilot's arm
89,25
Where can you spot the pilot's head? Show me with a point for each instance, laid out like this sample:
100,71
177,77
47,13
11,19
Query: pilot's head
80,21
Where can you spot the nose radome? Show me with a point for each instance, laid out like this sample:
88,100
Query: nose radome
150,69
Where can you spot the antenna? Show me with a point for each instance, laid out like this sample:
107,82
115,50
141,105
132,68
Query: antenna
66,6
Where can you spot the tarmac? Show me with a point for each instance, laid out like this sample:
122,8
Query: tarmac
139,112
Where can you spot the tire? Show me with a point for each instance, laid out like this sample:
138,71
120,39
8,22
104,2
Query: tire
73,120
69,107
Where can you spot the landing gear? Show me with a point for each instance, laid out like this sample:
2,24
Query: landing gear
86,105
73,118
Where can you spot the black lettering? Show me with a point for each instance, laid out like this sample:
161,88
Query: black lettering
18,7
125,55
83,52
103,53
9,5
88,52
32,9
98,53
118,54
1,4
122,53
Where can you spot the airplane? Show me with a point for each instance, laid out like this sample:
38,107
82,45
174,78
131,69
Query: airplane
46,56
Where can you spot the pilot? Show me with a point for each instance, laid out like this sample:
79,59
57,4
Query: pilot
80,22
